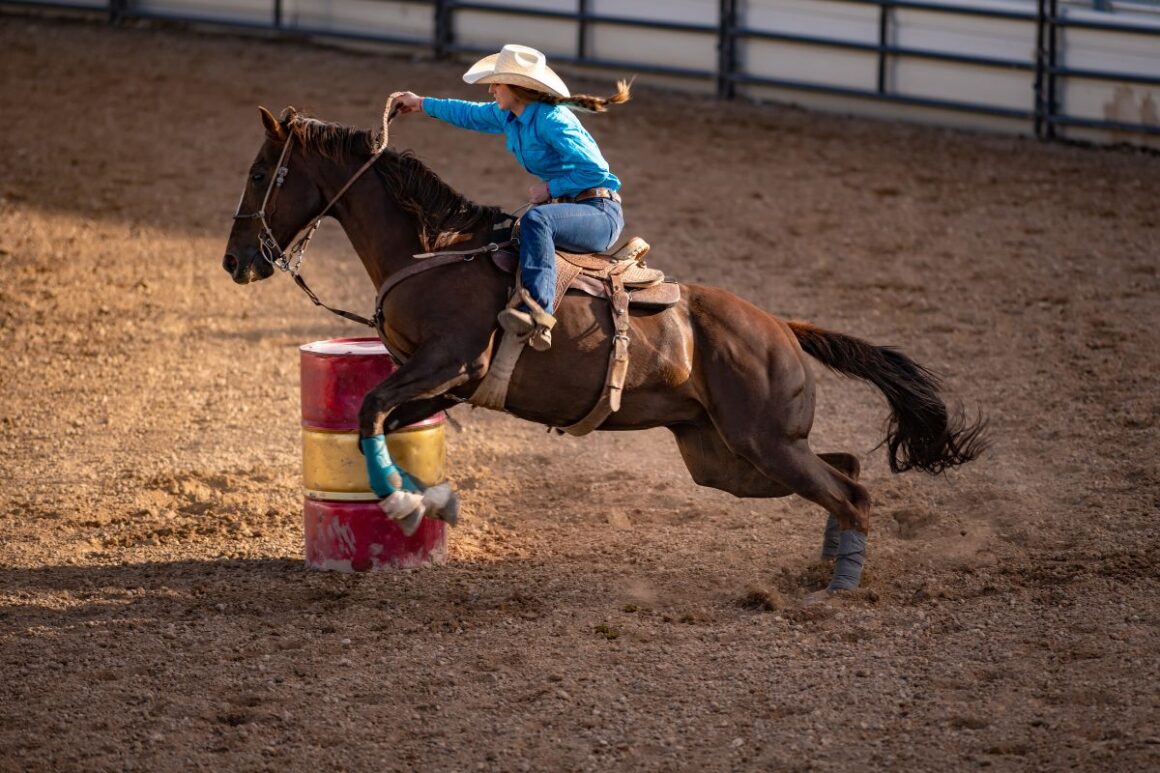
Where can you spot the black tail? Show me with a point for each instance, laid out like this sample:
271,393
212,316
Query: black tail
921,433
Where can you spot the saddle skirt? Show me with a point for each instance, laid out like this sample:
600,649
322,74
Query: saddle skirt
589,273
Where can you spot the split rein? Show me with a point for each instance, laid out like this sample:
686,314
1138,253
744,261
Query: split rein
290,258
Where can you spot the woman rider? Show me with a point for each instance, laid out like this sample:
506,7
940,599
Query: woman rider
578,204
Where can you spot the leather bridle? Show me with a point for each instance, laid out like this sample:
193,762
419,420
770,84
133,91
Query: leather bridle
267,242
290,258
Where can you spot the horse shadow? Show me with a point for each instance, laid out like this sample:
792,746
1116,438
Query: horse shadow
270,592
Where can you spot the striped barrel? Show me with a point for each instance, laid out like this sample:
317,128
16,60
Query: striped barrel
345,529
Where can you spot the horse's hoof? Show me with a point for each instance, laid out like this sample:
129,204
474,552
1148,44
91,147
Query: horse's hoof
441,502
818,597
450,513
411,523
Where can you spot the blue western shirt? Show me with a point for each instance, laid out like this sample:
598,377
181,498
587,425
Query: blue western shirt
547,140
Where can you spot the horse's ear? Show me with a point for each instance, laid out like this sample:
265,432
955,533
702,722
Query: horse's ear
274,129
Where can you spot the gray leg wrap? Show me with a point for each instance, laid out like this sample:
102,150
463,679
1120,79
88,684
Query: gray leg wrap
851,556
830,538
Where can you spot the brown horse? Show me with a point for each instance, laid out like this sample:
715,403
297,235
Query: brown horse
730,380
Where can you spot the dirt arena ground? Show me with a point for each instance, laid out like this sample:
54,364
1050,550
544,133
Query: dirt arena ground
598,610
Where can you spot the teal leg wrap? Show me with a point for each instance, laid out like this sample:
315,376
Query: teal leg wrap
851,556
385,476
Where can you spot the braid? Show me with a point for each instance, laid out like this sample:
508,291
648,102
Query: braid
585,102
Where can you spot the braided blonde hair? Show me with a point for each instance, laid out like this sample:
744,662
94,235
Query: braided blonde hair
585,102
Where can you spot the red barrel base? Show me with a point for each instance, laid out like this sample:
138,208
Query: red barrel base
357,537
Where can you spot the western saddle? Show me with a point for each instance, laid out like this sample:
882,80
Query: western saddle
621,277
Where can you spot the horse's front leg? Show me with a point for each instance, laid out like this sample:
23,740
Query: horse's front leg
425,376
406,414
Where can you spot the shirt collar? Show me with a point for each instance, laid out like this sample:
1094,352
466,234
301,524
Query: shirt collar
529,113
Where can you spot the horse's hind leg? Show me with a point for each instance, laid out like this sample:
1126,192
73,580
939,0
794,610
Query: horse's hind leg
783,454
712,463
847,501
848,464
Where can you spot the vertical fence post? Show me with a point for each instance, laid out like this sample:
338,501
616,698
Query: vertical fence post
116,12
277,14
582,29
883,42
443,33
1052,105
1040,65
726,49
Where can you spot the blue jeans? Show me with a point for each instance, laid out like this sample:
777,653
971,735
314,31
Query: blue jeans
592,225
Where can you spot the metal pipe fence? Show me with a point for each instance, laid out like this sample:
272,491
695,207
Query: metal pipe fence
1044,113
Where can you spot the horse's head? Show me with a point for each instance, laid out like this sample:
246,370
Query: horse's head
278,201
301,160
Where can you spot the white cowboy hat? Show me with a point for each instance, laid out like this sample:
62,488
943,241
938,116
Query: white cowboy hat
518,66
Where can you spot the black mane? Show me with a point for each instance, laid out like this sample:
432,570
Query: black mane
442,215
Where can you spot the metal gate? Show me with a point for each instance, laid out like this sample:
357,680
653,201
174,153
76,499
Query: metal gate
1047,24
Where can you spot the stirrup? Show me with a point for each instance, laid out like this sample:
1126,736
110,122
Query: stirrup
534,328
541,338
518,323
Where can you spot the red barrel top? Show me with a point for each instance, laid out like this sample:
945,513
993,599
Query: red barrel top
344,347
336,374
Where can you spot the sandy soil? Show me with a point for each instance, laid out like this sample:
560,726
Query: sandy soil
598,611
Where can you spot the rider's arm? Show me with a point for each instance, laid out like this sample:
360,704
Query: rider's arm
477,116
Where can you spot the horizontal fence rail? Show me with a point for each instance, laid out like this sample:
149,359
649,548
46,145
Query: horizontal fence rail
886,52
1044,112
584,20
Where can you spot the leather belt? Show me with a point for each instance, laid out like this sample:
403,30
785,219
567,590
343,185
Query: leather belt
591,193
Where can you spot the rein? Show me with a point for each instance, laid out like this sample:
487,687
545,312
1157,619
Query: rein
433,260
290,258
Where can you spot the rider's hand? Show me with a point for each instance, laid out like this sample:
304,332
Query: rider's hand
409,102
539,193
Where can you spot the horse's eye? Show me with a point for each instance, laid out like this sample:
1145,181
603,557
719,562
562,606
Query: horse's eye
258,176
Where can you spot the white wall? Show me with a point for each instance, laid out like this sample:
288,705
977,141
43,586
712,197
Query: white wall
374,17
1111,100
977,36
910,76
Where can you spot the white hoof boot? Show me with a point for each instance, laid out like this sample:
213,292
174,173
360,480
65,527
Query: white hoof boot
404,508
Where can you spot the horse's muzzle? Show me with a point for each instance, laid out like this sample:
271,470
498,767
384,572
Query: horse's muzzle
247,271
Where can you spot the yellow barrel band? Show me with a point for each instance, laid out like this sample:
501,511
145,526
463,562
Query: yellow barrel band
331,461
